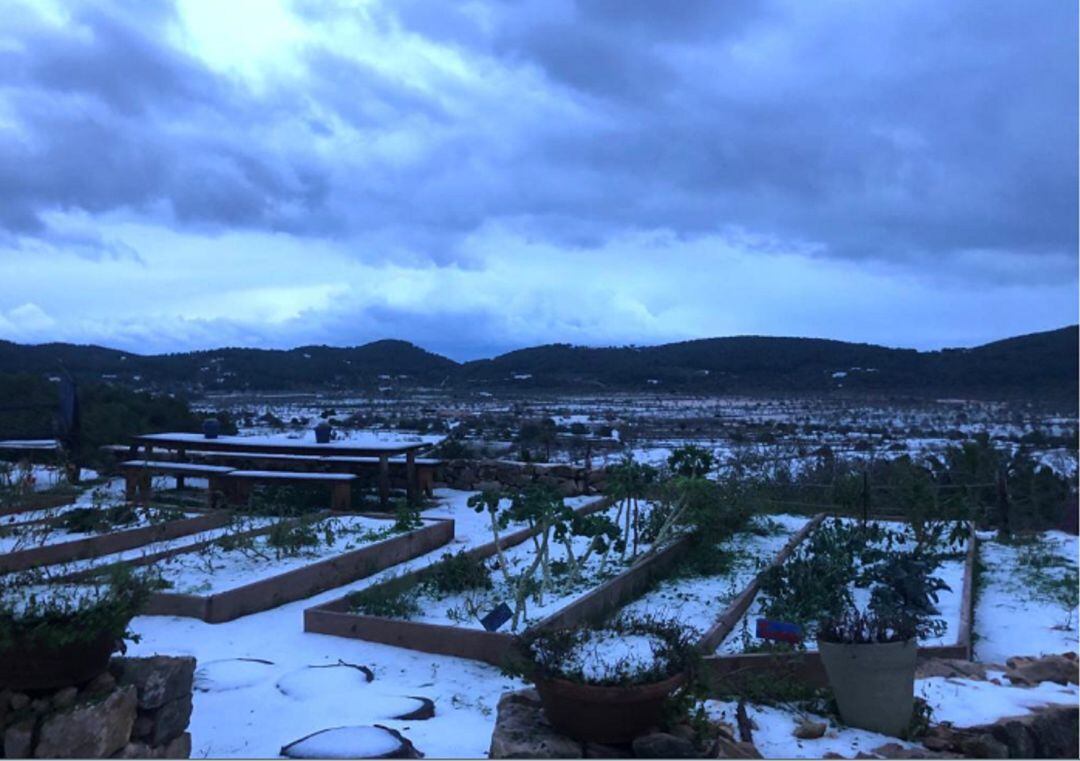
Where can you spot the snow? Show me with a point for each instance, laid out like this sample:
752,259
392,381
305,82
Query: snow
256,719
213,569
602,655
963,702
966,702
467,608
698,601
1009,618
346,742
30,444
36,535
373,442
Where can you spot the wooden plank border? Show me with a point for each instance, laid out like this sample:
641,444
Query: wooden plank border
335,618
107,544
305,581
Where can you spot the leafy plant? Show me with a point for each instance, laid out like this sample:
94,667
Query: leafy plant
388,603
577,654
34,613
855,627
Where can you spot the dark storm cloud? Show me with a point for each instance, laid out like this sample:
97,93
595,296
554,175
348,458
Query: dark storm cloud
108,117
901,132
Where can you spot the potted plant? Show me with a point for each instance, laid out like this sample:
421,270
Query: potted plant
870,661
54,635
609,683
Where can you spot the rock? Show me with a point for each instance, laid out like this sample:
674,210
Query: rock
40,705
135,749
158,679
983,745
91,730
1057,732
170,720
1049,668
522,730
953,668
725,748
64,698
936,743
232,674
423,712
178,747
100,684
1016,736
663,745
19,738
896,750
685,731
142,727
599,750
352,742
19,701
807,729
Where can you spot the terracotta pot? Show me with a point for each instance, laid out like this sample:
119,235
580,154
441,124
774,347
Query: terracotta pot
604,714
874,684
33,667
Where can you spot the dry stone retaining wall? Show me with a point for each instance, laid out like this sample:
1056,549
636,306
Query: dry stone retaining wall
570,481
140,708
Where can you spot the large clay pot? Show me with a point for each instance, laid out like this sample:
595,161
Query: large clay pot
322,433
29,666
604,714
874,684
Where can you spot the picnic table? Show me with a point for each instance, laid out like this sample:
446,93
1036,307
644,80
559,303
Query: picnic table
378,449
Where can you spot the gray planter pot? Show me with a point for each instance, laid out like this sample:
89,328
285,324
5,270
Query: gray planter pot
322,433
874,684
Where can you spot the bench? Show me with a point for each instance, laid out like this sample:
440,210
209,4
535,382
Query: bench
137,477
425,467
340,484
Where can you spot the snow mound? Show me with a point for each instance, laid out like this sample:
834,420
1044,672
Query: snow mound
346,742
317,682
232,674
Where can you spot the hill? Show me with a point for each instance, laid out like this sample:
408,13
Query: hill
1037,366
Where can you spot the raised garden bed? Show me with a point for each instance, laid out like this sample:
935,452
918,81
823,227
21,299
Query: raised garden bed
46,542
727,664
693,594
434,634
222,578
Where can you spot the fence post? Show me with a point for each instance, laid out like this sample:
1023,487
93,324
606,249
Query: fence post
1004,529
865,498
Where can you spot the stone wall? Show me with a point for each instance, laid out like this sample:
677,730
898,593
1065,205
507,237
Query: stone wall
570,481
140,708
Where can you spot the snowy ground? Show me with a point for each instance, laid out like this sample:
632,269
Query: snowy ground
245,713
1017,617
963,702
248,709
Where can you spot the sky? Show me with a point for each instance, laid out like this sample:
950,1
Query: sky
485,175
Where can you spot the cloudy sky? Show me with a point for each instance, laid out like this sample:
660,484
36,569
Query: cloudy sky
480,176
